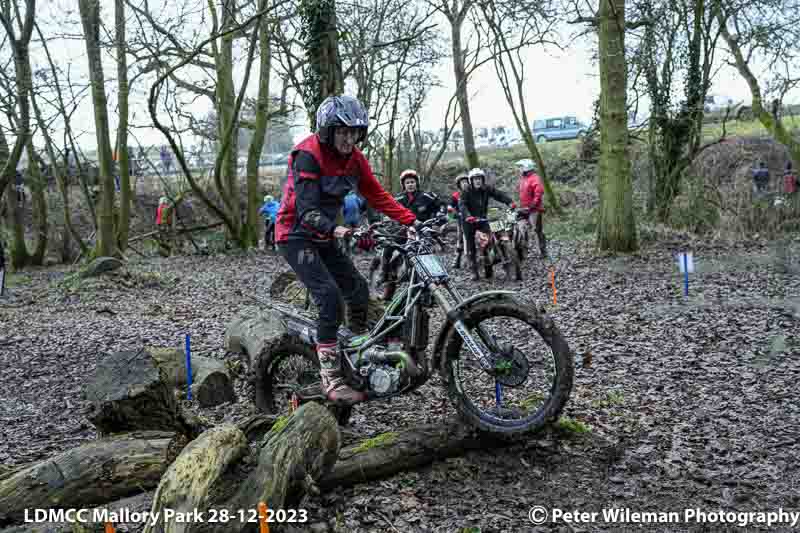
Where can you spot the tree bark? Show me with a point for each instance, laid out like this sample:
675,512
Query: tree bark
90,18
22,70
293,458
456,19
616,228
17,251
38,206
260,130
391,453
211,384
94,473
323,70
123,157
185,485
127,393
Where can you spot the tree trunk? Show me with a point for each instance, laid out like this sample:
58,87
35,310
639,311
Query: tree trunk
24,84
323,71
459,70
259,132
17,249
294,457
185,485
38,207
90,18
211,384
616,225
390,453
96,472
123,157
227,103
773,124
127,393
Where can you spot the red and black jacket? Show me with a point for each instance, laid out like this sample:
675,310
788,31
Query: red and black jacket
317,181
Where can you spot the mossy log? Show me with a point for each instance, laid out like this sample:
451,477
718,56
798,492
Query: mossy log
185,486
391,453
211,383
96,472
293,456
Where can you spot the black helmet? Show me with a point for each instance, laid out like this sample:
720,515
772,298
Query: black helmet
338,111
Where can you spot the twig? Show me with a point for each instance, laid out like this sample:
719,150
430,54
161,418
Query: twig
387,520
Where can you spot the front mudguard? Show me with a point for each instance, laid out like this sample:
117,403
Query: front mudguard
448,328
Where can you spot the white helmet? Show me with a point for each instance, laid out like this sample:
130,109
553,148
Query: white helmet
163,200
477,173
525,165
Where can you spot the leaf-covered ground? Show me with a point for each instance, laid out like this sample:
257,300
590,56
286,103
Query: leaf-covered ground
678,402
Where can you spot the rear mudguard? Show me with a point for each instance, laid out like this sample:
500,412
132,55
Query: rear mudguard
449,325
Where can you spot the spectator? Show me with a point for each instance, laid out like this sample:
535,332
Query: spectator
269,210
789,181
354,205
760,179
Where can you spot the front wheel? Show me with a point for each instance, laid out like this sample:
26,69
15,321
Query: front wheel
533,369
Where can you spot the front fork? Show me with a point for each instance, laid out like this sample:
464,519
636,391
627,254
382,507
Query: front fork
443,297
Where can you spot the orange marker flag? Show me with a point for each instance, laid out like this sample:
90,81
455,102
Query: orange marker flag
262,517
110,528
553,284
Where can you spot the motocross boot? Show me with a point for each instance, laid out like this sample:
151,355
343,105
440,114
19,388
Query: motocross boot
457,262
543,247
330,371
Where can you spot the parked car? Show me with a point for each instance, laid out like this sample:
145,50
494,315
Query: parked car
558,128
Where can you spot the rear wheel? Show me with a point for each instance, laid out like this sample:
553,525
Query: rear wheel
533,364
293,368
541,139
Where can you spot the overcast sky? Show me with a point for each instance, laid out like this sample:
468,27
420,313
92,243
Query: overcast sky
557,83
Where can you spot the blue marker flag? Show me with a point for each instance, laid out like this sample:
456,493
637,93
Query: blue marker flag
188,368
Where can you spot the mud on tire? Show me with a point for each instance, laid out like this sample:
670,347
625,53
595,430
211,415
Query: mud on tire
549,412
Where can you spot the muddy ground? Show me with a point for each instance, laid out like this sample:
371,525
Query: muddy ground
678,402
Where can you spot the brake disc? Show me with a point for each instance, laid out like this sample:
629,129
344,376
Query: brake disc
511,367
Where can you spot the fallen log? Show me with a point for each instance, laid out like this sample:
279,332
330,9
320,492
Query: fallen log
185,486
127,393
211,384
390,453
94,473
292,457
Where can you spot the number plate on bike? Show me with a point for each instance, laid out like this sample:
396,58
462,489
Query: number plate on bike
431,265
496,225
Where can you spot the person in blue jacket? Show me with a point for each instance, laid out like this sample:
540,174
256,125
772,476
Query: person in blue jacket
354,205
270,212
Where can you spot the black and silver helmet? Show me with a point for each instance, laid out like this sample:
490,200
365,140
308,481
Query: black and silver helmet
338,111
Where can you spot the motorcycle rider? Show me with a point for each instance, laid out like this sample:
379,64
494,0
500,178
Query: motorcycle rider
323,168
424,205
462,184
531,192
474,204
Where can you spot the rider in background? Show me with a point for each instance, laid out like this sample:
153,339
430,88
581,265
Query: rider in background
462,184
323,168
424,205
531,193
269,210
474,205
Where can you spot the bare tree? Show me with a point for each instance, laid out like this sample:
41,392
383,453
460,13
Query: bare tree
90,19
770,32
513,27
19,46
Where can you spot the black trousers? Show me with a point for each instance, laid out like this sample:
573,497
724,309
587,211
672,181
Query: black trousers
469,237
331,278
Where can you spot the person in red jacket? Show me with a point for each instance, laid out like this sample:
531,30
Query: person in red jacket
462,184
323,168
531,193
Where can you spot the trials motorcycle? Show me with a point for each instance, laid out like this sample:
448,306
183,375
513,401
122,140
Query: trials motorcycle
505,364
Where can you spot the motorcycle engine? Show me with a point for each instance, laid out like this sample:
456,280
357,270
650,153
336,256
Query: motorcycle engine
381,373
384,379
